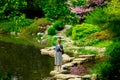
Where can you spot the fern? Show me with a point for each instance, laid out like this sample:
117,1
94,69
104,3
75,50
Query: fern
98,16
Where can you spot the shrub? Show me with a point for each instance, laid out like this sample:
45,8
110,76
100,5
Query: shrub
84,51
69,32
51,31
34,28
54,39
103,43
102,69
30,30
80,31
58,25
103,35
98,16
107,17
86,42
42,22
114,52
6,26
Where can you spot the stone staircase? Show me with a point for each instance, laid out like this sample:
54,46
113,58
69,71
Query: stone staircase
67,63
65,75
70,61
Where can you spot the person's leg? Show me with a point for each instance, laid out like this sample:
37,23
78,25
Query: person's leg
59,67
56,67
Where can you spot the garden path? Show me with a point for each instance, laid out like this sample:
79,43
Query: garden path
70,61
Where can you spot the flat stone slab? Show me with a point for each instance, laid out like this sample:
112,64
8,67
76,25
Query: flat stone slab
80,59
86,76
66,58
67,65
54,72
75,79
86,56
66,76
78,62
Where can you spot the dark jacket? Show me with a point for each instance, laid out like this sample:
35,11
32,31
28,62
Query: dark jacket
57,49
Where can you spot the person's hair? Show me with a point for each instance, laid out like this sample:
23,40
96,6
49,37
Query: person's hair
59,40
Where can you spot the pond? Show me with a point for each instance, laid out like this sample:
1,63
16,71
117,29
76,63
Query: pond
23,62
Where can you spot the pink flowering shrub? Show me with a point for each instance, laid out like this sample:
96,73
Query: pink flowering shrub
89,6
78,70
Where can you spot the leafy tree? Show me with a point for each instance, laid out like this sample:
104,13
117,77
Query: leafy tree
59,10
11,8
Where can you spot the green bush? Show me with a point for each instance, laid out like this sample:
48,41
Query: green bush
103,43
54,40
69,32
58,25
51,31
102,69
6,26
42,22
114,51
14,26
80,31
78,2
30,30
84,51
86,42
34,27
107,17
98,16
103,35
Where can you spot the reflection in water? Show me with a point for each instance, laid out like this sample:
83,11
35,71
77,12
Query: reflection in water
23,62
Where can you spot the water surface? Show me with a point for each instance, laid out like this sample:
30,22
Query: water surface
24,62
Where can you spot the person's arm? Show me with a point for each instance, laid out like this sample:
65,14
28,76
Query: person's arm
60,47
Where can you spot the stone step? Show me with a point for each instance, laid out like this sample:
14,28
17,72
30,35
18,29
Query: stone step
72,77
67,65
65,76
79,60
86,56
89,56
54,72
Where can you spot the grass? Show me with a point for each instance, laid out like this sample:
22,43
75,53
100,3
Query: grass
84,51
104,43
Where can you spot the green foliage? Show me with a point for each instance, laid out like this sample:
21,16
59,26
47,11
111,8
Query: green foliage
107,17
42,22
34,28
102,69
11,8
59,10
113,7
80,31
54,40
103,43
6,26
52,31
98,16
114,51
84,51
69,32
103,35
14,26
86,42
58,25
78,2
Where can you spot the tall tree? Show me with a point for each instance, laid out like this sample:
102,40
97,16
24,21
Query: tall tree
11,8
